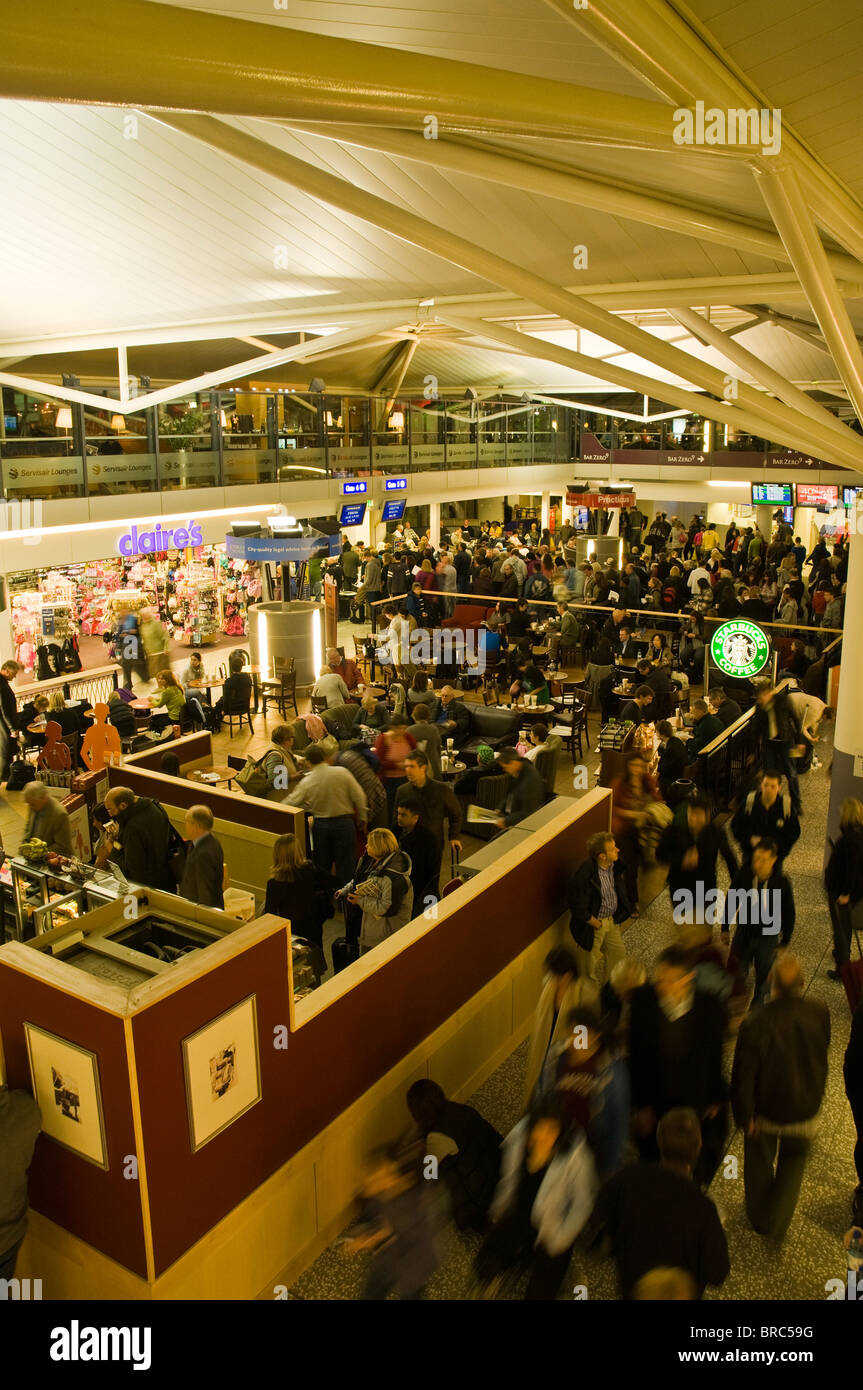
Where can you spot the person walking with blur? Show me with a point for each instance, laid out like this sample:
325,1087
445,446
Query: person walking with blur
598,904
843,880
777,1086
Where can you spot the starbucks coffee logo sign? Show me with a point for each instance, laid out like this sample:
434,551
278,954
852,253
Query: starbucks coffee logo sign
740,648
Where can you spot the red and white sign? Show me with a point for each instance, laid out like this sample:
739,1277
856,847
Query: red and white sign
600,499
817,495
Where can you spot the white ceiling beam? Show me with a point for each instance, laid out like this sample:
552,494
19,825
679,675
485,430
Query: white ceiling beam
675,54
740,357
415,230
205,382
738,417
258,343
573,187
242,68
788,208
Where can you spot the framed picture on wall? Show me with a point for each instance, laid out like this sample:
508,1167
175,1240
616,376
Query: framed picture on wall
68,1092
223,1071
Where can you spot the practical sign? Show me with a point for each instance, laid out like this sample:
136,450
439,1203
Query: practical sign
740,648
355,489
395,484
137,542
600,499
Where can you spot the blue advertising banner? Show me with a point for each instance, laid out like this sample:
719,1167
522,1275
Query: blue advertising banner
279,550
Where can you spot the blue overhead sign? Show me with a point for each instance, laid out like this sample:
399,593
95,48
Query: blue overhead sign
355,489
395,484
279,550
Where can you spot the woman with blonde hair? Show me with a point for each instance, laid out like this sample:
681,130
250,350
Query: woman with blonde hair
843,879
382,888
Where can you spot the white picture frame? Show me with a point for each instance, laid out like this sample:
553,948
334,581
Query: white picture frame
67,1089
222,1067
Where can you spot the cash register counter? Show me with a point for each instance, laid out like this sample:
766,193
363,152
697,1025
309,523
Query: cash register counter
448,996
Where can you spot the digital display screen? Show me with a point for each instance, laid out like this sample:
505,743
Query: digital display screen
355,489
393,511
817,495
352,514
850,495
772,494
395,484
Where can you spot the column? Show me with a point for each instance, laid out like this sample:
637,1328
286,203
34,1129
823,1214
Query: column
434,523
847,779
544,509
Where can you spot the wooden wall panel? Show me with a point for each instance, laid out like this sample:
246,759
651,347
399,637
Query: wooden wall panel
102,1207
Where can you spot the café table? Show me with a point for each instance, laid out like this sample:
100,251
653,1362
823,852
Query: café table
223,774
453,769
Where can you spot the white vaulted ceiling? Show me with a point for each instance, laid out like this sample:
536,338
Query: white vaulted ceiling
163,238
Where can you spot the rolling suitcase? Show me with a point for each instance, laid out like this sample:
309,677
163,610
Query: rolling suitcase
345,952
852,975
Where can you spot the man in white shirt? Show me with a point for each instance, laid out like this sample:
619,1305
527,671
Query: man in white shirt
695,576
338,803
394,641
330,685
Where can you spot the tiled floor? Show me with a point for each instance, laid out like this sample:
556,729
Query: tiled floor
812,1252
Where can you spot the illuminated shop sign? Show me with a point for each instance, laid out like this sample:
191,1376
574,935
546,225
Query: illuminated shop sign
395,484
161,538
817,495
740,649
355,489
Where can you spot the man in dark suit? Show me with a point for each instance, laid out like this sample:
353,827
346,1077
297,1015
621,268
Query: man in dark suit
526,791
203,876
727,711
673,757
675,1058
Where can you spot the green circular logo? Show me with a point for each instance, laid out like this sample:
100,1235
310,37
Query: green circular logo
740,648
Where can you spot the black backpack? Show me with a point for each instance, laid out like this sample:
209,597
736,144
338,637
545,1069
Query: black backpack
399,884
20,773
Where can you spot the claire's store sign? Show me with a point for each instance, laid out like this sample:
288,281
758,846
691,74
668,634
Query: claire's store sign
740,649
160,538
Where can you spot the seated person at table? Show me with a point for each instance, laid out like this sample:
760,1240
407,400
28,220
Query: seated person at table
348,670
525,792
453,718
660,653
70,720
637,708
421,692
672,757
706,727
236,692
427,737
120,715
194,672
373,713
663,687
329,686
466,785
170,696
518,620
532,683
541,741
566,623
627,649
34,710
727,711
169,765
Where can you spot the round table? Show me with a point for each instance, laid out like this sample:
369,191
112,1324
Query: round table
141,705
37,728
209,684
225,774
454,770
530,711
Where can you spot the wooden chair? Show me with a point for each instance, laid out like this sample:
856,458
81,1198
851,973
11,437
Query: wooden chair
546,764
282,690
318,704
233,711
